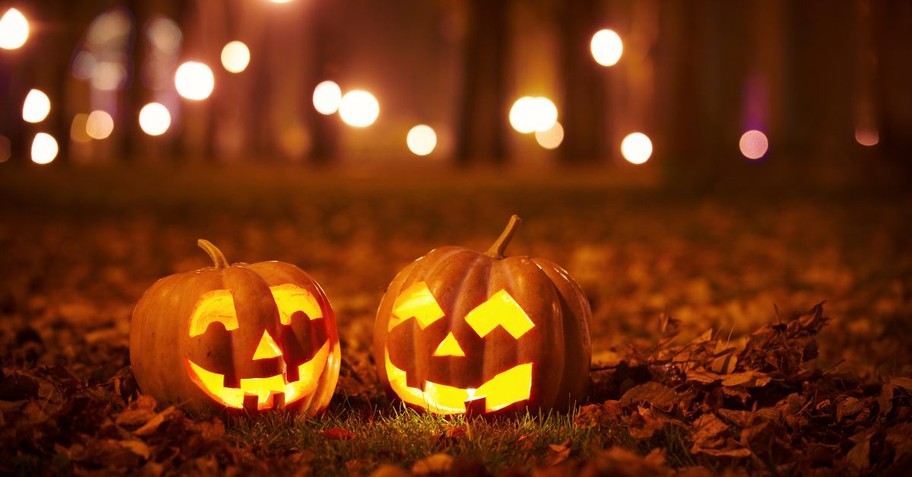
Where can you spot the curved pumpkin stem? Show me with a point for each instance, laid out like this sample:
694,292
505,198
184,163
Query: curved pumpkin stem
497,250
218,258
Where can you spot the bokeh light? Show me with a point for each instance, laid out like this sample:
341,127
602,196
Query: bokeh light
421,140
551,138
36,106
529,114
108,75
6,149
99,125
14,29
636,148
359,108
606,47
235,57
44,148
194,81
109,28
753,144
154,119
867,136
326,97
78,128
164,34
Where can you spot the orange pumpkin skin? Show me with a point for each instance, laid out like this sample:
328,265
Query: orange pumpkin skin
477,294
215,320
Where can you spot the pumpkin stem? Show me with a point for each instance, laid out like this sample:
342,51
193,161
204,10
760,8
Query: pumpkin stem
497,250
218,258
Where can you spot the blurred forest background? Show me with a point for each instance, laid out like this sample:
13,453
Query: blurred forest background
827,82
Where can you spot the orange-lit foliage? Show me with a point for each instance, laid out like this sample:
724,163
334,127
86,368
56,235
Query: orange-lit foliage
460,331
253,337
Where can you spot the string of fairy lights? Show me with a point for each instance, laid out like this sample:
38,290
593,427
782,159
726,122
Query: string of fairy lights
194,81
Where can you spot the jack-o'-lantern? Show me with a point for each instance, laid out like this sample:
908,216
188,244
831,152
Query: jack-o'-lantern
460,331
244,336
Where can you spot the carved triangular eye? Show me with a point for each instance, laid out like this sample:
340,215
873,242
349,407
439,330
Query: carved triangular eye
417,302
499,310
268,348
449,347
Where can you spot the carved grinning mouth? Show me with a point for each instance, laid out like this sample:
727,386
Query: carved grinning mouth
293,303
264,389
508,387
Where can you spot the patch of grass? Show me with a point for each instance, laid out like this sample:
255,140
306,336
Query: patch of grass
403,436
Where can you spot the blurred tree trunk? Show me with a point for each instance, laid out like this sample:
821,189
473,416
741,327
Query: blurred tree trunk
701,75
320,66
893,59
482,121
134,143
585,119
13,88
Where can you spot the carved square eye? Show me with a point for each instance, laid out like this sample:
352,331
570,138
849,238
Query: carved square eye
417,302
291,299
216,306
500,310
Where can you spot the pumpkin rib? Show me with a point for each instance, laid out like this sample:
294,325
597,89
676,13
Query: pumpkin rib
549,323
576,367
479,265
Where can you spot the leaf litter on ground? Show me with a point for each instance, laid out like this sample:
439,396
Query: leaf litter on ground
765,409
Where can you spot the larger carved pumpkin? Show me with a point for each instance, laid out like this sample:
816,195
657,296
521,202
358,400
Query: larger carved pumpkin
241,336
460,331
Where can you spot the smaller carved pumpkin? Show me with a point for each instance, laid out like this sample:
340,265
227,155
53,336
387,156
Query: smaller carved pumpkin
460,331
241,336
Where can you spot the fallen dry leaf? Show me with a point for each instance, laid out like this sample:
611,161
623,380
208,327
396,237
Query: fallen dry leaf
433,464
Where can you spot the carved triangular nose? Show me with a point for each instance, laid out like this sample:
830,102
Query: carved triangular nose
267,348
449,347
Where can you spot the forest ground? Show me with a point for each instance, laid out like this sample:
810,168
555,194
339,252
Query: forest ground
78,246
